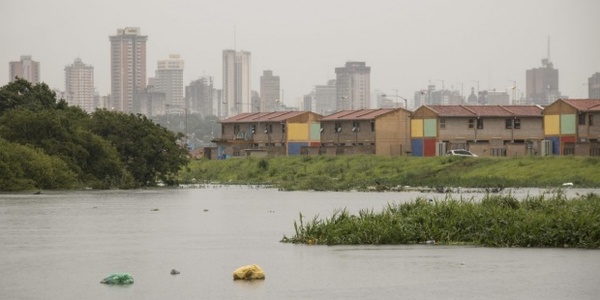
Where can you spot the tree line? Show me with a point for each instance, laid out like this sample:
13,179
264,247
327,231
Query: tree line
47,144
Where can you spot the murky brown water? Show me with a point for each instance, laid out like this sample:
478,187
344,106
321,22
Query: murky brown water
59,245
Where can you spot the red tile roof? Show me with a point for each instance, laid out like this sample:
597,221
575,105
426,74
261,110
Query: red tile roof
276,116
584,104
486,110
360,114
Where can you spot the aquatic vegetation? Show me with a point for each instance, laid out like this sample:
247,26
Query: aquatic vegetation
496,221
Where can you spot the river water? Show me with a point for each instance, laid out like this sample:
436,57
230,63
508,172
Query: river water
59,245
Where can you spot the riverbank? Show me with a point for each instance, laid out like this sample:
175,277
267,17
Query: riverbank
368,172
496,221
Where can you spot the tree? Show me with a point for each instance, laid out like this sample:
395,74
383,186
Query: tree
22,94
61,133
25,168
150,152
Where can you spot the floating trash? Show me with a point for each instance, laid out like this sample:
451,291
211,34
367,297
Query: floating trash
118,278
249,272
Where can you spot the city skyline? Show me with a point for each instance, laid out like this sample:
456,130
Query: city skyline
408,45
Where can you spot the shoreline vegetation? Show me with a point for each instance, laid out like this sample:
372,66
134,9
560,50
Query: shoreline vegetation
375,173
496,221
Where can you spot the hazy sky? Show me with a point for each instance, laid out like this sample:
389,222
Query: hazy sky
407,44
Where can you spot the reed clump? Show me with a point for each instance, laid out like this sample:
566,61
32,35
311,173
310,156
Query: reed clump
495,221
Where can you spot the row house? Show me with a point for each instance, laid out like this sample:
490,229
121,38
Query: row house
486,130
365,131
572,127
266,133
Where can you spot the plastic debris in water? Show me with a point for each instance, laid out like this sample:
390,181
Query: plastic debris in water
118,278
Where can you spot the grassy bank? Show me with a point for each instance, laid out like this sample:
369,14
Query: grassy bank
340,173
497,221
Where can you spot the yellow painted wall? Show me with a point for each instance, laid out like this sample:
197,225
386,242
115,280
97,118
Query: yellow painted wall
297,132
551,124
416,128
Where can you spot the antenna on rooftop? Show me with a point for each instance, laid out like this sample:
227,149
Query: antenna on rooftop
548,48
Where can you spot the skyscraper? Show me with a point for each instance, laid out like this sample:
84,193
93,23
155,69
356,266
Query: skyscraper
26,69
353,86
594,86
325,98
269,91
542,83
79,85
200,94
169,80
236,96
127,67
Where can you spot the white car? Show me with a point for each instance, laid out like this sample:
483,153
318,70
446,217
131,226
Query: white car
461,152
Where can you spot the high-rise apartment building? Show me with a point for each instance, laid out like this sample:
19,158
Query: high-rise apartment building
269,91
236,94
542,84
26,69
200,94
127,67
594,86
169,80
325,98
353,87
79,85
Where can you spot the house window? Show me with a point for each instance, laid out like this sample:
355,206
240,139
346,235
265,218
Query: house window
372,126
355,126
442,123
509,123
591,120
471,123
236,129
517,123
479,123
282,128
338,126
253,129
269,128
581,119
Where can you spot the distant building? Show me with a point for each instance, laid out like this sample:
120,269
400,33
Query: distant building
150,102
26,68
594,86
169,80
236,94
269,91
325,98
353,87
472,99
79,85
127,67
420,98
254,101
200,94
542,84
493,98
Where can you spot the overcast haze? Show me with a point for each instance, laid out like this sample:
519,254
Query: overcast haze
407,44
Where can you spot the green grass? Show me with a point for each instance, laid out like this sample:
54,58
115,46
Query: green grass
363,172
496,221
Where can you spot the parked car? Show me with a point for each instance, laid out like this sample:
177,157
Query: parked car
461,152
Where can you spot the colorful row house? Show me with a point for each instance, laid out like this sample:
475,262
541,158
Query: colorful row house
486,130
365,131
266,133
572,127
